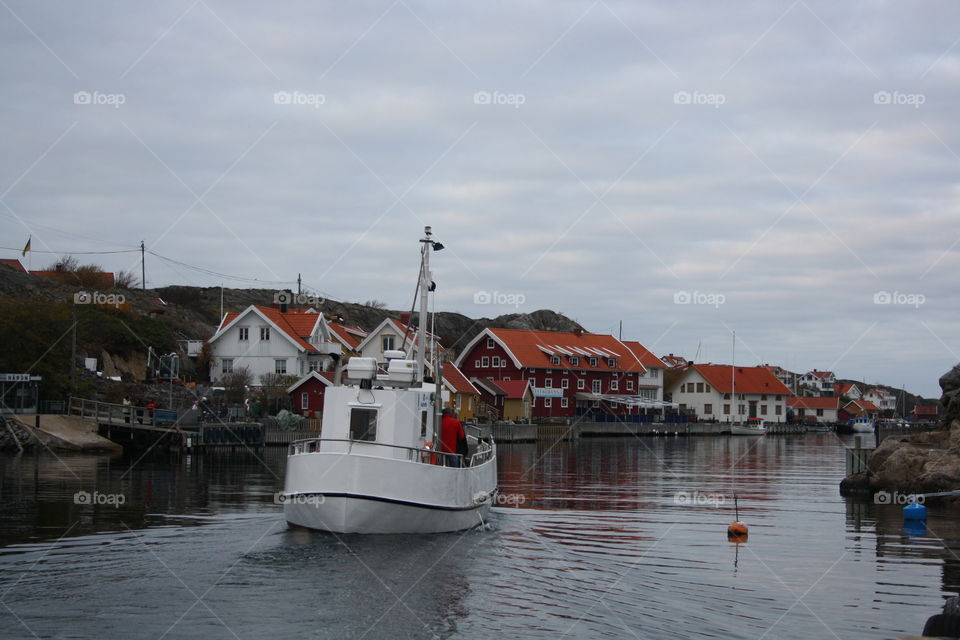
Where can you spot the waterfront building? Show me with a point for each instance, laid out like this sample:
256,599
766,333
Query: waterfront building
272,340
788,378
822,410
882,398
307,393
816,383
571,373
391,335
859,409
848,390
505,399
464,396
708,391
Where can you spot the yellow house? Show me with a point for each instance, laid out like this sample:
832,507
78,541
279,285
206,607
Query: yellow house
464,397
506,399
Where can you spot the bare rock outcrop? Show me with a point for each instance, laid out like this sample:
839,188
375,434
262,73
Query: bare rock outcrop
919,463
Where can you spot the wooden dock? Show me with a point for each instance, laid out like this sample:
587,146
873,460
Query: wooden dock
857,456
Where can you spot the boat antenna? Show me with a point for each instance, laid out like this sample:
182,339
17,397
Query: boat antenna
426,286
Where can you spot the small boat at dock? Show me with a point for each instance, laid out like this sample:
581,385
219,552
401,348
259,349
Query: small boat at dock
752,427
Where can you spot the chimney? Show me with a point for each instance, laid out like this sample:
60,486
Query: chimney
578,332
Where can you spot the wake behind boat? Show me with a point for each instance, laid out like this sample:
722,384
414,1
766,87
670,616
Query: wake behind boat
375,468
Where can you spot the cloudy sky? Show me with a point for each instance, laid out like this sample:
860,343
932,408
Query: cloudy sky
787,170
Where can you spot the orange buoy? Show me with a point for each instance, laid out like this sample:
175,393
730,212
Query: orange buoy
737,531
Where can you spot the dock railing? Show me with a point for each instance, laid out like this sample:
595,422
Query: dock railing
110,413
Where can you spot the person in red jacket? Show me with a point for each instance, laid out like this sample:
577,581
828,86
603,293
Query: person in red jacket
452,438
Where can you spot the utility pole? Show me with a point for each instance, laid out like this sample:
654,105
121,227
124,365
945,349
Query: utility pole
143,268
73,353
298,286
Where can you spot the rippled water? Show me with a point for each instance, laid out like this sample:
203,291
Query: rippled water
619,538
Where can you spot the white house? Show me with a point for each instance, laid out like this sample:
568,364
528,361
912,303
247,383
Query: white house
788,378
815,409
268,340
817,383
650,381
885,400
709,390
388,336
848,389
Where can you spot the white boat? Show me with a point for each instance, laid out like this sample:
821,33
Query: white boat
374,468
753,427
863,425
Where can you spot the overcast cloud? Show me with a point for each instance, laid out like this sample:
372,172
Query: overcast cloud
783,163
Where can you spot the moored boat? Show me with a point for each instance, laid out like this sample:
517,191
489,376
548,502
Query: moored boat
752,427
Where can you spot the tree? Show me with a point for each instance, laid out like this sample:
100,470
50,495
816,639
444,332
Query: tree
235,384
274,386
127,280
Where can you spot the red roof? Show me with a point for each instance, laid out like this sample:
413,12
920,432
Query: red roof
748,379
13,263
926,410
348,334
515,389
841,389
820,374
457,380
322,376
864,405
814,403
674,362
297,324
644,355
533,349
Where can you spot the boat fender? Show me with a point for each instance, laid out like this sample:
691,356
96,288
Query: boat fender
737,529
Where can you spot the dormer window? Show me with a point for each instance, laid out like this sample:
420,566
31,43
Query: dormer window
574,361
593,362
555,360
612,363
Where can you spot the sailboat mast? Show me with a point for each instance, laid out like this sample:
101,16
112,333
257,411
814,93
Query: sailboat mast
733,376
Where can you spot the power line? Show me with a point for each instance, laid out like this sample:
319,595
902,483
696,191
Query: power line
72,253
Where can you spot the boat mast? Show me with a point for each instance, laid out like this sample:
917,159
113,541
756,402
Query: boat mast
733,376
424,292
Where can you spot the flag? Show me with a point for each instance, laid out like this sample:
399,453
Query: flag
26,246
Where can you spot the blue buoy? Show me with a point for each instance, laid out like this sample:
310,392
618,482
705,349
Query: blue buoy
914,511
915,528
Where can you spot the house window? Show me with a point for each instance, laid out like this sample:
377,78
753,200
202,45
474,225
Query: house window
532,381
726,409
280,366
708,409
227,365
244,333
476,363
265,334
726,396
563,403
555,360
629,385
548,402
485,362
612,363
574,361
496,361
707,387
548,383
304,401
581,384
819,413
654,373
363,424
614,385
763,409
778,409
595,386
313,365
763,396
490,343
564,384
593,362
387,343
699,387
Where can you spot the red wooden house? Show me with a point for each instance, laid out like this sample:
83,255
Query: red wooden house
308,392
570,372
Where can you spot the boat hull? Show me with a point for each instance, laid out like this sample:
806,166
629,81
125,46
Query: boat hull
352,493
737,430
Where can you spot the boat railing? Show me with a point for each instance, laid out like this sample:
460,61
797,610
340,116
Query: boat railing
415,454
484,453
